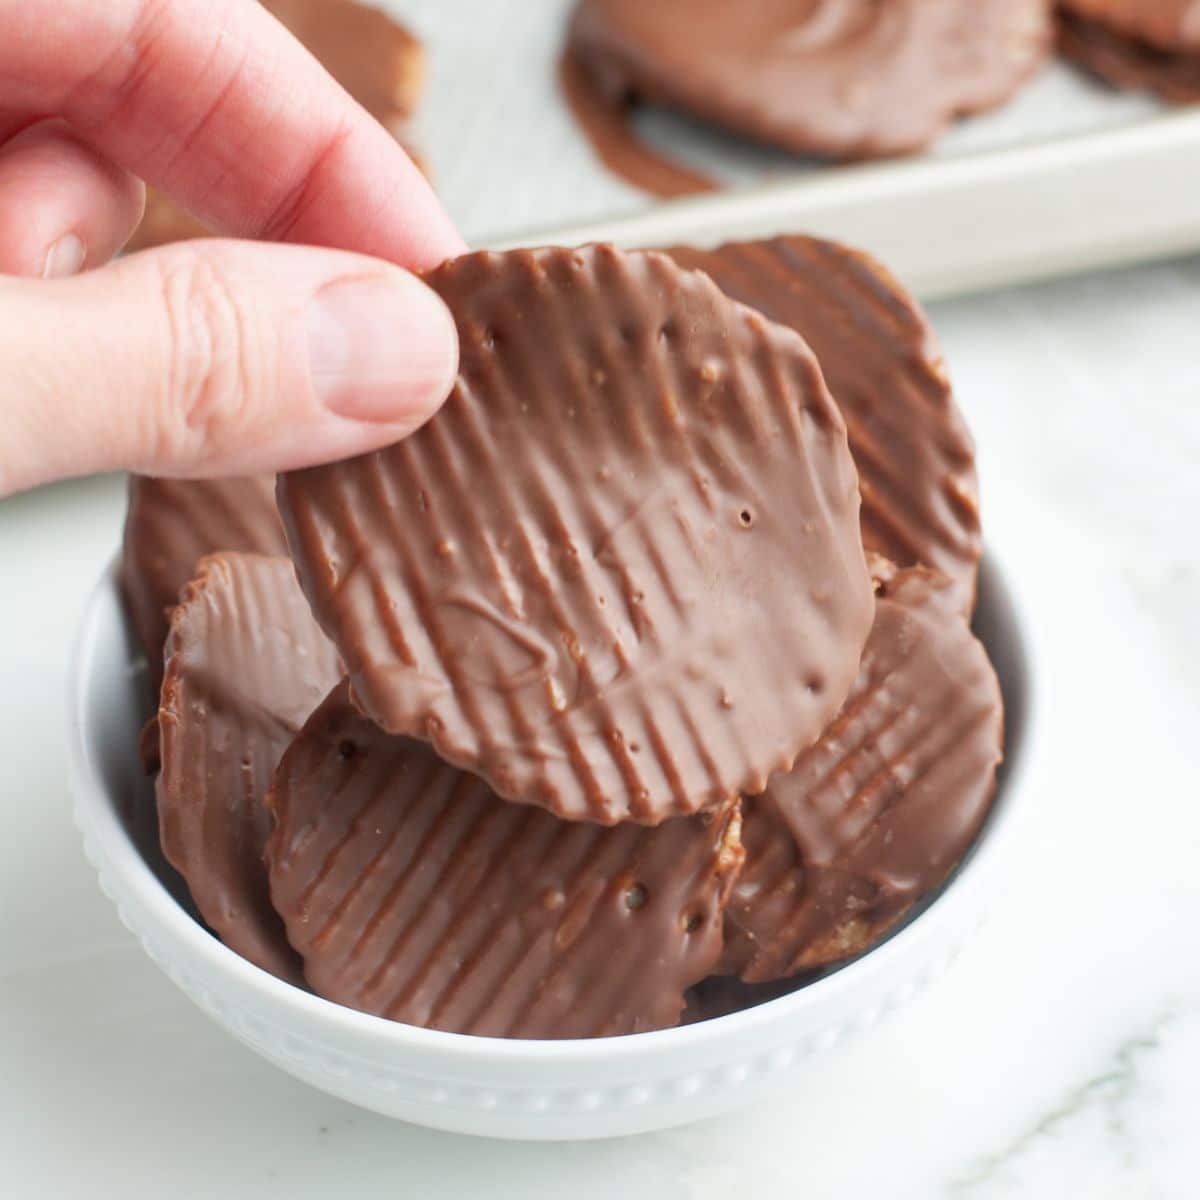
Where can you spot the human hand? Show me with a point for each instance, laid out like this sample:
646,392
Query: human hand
210,357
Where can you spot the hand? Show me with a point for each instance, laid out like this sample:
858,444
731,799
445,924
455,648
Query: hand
211,357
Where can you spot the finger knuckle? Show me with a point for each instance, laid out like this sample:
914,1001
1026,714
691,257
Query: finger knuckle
214,378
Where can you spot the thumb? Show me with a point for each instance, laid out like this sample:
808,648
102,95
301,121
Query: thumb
216,358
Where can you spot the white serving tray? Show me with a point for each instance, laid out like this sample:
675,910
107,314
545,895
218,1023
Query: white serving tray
952,225
1068,176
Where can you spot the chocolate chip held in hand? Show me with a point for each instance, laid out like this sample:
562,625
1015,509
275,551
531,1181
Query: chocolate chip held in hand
246,665
881,360
846,78
379,62
173,523
880,810
620,573
413,892
1125,62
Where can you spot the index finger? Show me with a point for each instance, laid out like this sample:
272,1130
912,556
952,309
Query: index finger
215,103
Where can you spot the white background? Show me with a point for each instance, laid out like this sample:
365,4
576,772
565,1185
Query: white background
1061,1056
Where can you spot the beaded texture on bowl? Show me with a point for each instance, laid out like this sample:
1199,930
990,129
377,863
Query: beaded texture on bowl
519,1089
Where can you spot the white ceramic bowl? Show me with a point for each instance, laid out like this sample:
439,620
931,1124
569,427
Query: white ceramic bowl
490,1086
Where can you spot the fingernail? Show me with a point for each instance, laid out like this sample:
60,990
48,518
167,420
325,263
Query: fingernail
64,258
382,348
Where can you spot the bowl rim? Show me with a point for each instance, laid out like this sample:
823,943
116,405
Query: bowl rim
96,815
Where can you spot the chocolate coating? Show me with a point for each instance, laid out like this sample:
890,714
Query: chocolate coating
881,809
1165,24
246,665
170,525
379,62
881,360
847,78
1126,62
415,893
619,574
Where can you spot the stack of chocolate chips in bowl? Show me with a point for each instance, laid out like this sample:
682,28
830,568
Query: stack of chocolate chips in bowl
645,664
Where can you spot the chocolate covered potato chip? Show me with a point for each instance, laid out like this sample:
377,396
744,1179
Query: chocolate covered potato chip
619,574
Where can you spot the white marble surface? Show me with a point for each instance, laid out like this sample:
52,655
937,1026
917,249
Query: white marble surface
1060,1057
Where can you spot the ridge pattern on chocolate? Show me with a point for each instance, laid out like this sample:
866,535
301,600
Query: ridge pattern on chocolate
846,78
1126,62
881,809
245,666
170,525
619,574
413,892
881,360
